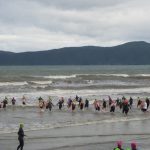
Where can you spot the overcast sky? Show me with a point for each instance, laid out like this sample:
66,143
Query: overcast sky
30,25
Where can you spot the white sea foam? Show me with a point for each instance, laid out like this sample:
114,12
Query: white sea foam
60,76
142,75
13,83
90,74
41,82
57,93
117,75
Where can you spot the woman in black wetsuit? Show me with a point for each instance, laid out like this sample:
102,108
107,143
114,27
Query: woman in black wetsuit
21,137
5,102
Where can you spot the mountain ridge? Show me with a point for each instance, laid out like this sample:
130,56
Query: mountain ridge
131,53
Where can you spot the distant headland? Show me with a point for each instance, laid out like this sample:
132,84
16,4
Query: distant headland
131,53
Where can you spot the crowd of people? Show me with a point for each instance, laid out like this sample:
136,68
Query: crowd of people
77,102
123,103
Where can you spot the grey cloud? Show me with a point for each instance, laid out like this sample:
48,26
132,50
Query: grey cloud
46,24
79,4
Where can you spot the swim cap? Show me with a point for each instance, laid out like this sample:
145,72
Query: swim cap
119,144
128,149
117,148
21,125
133,145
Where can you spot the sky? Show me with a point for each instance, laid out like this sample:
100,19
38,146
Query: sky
33,25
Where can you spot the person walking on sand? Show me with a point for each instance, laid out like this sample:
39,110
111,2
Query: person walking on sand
21,137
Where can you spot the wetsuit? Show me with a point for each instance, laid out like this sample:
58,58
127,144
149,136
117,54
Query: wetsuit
125,108
21,139
73,106
86,103
13,101
60,104
104,104
120,104
117,102
69,102
49,105
148,102
5,103
81,105
112,108
131,102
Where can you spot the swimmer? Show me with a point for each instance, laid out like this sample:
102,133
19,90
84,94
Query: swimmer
13,101
125,107
112,106
86,103
5,102
49,104
104,104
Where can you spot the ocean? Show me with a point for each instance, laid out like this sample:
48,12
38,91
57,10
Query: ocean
66,81
80,127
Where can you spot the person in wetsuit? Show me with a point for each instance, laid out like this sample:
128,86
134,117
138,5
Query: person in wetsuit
112,106
13,101
86,103
49,105
60,104
148,102
21,137
131,102
5,102
104,104
125,107
73,105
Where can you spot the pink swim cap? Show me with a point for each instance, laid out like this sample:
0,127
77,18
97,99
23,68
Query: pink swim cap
119,144
133,145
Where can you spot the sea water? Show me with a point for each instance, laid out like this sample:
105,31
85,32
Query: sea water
68,81
65,81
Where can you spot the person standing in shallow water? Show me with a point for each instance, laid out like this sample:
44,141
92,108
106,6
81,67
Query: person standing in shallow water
21,137
5,102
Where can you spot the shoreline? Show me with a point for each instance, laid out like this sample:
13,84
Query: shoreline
91,137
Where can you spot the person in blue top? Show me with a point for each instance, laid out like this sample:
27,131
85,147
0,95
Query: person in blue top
21,137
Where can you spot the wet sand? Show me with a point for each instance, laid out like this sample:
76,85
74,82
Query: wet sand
99,136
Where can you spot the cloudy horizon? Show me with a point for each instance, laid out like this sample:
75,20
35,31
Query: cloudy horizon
32,25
